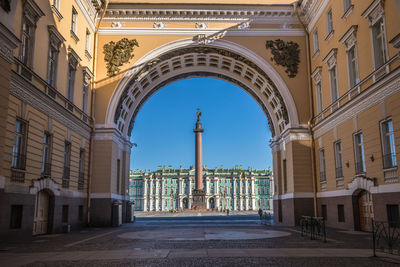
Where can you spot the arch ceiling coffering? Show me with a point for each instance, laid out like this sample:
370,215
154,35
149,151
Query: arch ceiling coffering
183,59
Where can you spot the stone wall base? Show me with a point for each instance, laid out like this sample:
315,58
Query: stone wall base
28,209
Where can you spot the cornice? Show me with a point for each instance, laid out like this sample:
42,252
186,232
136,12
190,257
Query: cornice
29,94
8,42
192,32
311,11
201,14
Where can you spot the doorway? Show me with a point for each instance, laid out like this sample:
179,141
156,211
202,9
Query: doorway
41,221
366,210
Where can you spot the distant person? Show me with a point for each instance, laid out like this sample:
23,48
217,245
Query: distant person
260,212
227,212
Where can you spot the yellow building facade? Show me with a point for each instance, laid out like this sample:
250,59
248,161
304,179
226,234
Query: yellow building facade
325,73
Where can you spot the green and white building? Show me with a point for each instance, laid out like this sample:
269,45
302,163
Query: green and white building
171,189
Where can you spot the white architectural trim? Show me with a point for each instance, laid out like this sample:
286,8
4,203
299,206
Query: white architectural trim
44,183
86,15
219,43
370,97
109,195
208,13
193,32
294,195
317,14
380,189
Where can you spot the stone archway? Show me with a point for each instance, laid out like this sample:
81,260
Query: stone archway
186,58
221,59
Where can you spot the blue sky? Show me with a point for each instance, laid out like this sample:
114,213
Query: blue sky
235,128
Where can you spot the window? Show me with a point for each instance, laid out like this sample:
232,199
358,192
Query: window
340,210
64,217
379,43
319,97
322,165
71,82
81,178
85,93
329,22
359,153
56,4
16,216
80,213
393,215
347,5
52,64
26,42
87,44
338,159
353,68
46,155
315,40
388,145
74,21
334,87
324,212
67,160
19,146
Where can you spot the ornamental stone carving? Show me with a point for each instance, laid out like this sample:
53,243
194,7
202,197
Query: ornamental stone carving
159,25
374,12
244,25
118,53
201,25
330,59
316,75
117,24
349,38
285,54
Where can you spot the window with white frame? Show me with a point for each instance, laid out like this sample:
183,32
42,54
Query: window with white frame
19,146
315,41
338,159
379,43
87,44
359,153
26,43
388,144
46,154
333,80
322,170
56,4
346,4
318,89
329,22
71,82
353,66
74,21
55,40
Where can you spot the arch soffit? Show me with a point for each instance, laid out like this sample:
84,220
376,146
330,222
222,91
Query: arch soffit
273,86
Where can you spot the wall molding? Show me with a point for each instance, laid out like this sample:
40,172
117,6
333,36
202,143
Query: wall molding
193,32
28,93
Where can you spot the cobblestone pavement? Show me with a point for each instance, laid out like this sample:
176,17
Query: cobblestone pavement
212,240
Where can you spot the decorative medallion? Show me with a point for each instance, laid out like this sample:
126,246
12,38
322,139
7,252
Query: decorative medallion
159,25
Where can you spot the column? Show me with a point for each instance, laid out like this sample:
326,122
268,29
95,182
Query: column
151,195
145,195
157,194
253,194
163,205
207,188
216,188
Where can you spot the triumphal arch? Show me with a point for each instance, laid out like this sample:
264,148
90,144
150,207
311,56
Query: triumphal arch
260,48
74,75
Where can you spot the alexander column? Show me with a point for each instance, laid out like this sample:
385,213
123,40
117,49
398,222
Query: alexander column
199,193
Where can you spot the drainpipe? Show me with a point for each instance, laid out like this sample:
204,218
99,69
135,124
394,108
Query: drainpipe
310,121
92,100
